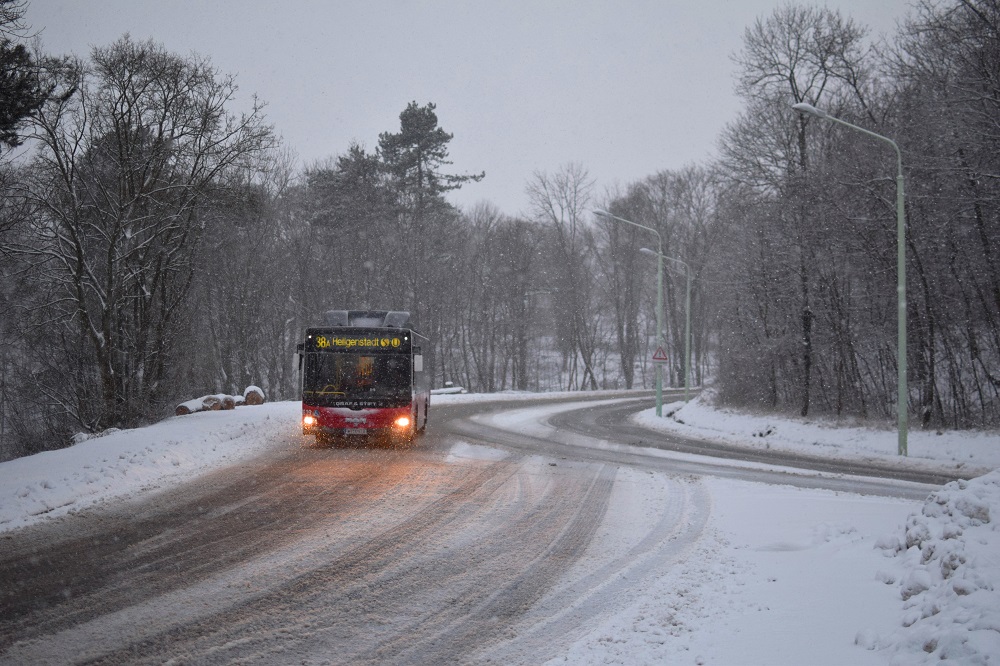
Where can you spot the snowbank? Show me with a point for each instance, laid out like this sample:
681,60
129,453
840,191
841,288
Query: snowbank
970,453
123,463
946,564
945,560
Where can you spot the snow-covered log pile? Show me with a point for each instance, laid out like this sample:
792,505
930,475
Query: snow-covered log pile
947,558
253,395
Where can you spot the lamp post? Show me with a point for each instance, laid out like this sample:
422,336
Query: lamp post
902,401
687,319
659,300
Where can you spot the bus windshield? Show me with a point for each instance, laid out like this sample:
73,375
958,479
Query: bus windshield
333,378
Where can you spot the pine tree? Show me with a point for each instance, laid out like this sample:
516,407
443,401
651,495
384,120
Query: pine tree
414,157
20,94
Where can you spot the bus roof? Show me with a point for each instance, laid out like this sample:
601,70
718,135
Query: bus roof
367,318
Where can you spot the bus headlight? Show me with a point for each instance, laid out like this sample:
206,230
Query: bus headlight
308,420
402,422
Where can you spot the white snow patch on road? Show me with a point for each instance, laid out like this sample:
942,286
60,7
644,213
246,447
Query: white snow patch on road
466,451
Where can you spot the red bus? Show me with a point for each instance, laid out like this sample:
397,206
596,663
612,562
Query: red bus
363,377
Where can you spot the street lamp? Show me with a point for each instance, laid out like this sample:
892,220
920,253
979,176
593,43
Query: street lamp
659,300
901,397
687,319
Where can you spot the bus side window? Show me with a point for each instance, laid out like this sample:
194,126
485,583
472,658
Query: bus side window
418,360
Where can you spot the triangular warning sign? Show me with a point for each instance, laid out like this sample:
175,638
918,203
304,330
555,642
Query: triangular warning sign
660,354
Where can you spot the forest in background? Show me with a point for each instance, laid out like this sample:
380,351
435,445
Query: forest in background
155,245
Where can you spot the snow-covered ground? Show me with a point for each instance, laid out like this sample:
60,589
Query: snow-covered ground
794,576
782,576
955,452
123,463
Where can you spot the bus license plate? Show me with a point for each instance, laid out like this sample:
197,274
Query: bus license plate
355,431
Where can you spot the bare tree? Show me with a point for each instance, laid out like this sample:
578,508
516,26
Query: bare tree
128,165
560,201
809,316
946,67
621,266
240,332
797,54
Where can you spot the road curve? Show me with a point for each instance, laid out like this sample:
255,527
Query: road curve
600,430
344,555
612,423
484,543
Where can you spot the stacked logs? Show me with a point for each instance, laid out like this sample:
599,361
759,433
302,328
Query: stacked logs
253,395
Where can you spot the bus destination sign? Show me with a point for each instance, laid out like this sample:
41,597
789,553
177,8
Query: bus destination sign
368,342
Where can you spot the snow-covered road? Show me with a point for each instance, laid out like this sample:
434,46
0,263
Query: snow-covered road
216,537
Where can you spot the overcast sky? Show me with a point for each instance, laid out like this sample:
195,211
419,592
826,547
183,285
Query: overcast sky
626,87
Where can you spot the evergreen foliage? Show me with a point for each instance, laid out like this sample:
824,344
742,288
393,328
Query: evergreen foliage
20,90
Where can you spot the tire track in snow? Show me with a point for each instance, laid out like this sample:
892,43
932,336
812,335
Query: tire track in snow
588,596
112,562
359,603
459,560
247,631
552,544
